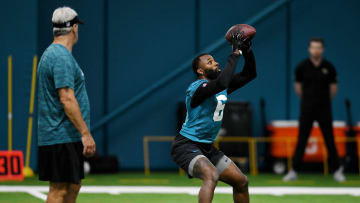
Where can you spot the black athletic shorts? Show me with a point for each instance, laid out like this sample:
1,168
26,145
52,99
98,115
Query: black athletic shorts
185,153
61,163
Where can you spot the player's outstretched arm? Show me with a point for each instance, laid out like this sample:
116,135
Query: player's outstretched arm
213,87
206,90
248,73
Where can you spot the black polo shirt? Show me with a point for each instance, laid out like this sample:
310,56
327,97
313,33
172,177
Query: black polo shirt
315,81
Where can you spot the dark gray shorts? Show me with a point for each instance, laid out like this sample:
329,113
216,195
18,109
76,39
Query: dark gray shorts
186,152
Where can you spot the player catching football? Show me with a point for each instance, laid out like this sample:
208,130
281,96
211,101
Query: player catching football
193,149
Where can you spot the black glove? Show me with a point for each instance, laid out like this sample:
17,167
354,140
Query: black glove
245,47
239,42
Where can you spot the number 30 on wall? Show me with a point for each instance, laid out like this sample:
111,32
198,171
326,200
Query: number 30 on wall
11,165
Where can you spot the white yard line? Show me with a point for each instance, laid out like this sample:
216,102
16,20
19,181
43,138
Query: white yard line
38,191
37,194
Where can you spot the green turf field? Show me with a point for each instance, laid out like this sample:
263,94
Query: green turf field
170,198
173,180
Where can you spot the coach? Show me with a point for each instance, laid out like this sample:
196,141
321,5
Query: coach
316,85
63,112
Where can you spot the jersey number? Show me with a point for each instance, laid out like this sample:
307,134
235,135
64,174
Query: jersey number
219,111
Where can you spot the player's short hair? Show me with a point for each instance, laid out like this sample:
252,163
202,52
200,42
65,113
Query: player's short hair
195,63
317,39
62,15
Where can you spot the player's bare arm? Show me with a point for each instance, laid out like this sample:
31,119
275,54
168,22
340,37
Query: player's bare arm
298,89
333,90
72,110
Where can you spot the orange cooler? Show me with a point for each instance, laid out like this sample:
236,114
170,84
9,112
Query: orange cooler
357,130
285,133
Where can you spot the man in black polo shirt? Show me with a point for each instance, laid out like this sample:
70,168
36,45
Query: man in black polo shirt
316,85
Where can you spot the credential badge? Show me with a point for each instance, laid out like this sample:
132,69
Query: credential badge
325,71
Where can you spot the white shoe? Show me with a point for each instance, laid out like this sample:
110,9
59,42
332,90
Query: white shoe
339,175
290,176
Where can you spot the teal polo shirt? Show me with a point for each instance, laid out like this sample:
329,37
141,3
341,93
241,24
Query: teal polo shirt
58,69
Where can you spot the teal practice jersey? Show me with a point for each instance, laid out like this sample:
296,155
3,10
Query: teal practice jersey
203,122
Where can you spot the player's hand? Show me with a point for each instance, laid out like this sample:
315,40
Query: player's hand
239,42
236,51
236,41
89,145
245,46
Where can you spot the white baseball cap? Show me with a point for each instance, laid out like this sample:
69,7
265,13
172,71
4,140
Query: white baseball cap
64,17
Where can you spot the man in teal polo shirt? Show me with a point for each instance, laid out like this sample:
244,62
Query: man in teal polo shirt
63,112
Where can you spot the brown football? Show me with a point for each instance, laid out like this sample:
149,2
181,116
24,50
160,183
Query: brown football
248,30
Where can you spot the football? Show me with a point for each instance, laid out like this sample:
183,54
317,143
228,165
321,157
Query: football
248,30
